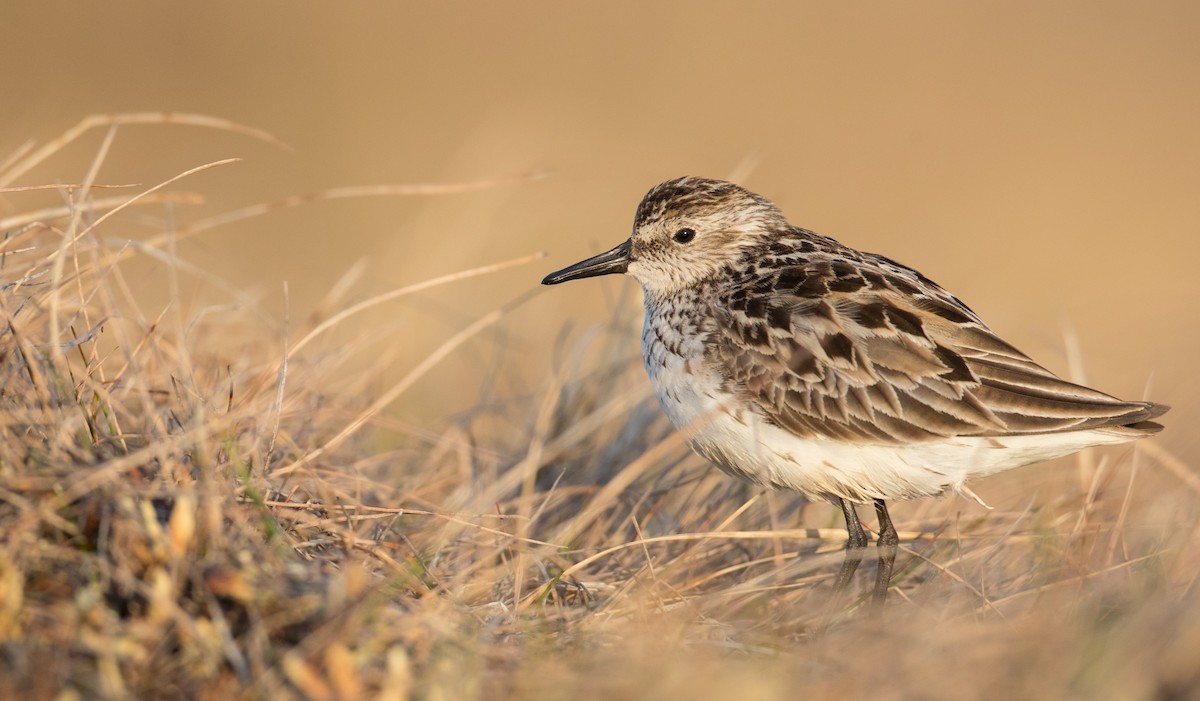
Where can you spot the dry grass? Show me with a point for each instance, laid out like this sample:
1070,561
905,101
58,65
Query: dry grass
194,506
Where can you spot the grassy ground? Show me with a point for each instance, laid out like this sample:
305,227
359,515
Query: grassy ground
192,506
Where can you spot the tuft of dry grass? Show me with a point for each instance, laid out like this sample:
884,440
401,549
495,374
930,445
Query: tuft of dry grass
192,506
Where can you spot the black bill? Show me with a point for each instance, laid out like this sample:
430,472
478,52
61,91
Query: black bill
607,263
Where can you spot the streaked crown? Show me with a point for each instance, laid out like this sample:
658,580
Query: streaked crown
687,229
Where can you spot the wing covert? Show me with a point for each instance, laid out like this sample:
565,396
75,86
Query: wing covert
872,352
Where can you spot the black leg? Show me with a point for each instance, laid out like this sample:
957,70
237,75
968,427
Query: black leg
855,546
887,552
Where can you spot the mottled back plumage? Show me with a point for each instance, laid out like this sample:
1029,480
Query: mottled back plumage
830,342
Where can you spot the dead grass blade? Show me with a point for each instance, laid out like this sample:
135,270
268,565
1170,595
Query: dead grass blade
440,353
340,193
1178,468
66,187
99,204
25,163
408,290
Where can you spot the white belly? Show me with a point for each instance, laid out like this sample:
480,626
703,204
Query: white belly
744,444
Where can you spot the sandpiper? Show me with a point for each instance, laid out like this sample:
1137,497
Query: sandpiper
799,363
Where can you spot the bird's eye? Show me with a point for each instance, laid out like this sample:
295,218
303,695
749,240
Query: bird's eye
685,235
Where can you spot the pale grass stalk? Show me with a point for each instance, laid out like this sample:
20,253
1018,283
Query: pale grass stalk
90,177
241,297
945,569
259,209
607,495
17,154
408,290
59,257
86,299
18,166
1174,465
340,290
141,350
789,534
339,193
396,390
390,512
1077,373
1118,531
1078,581
526,469
281,381
745,167
773,515
99,204
55,258
581,429
334,193
161,450
29,360
648,565
739,511
1089,501
986,558
187,173
64,187
777,560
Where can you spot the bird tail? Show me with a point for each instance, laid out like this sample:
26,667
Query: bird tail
1138,423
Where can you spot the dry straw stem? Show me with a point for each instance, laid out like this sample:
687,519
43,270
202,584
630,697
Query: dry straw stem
22,161
99,204
65,187
408,290
338,193
393,393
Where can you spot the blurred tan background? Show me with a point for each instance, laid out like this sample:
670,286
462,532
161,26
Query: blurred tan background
1041,160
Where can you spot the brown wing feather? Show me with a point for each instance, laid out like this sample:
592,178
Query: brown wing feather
873,352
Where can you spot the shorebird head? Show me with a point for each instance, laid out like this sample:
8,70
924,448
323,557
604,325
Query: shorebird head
685,231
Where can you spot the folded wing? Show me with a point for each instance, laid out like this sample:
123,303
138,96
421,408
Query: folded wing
870,351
